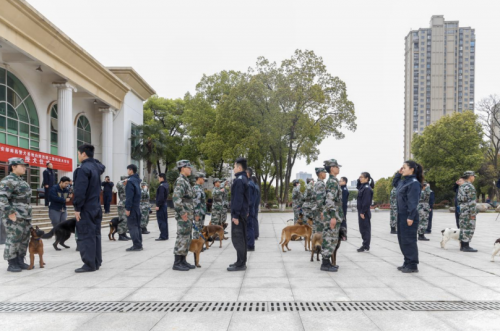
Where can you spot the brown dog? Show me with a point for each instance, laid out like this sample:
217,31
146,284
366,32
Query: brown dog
36,247
211,230
299,230
195,247
113,227
318,242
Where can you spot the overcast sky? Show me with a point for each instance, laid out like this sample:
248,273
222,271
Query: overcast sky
173,43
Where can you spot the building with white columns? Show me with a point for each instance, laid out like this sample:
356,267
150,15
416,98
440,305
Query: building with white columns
54,96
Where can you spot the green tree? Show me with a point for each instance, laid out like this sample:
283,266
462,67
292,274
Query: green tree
381,193
449,147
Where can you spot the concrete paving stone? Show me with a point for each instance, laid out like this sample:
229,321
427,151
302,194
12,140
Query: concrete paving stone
470,320
265,282
217,282
48,294
276,322
320,294
76,281
428,293
140,273
490,281
475,293
124,282
211,321
312,283
172,282
265,294
372,294
261,273
267,265
44,321
449,282
223,273
7,292
156,294
122,322
402,280
403,320
101,294
210,294
311,273
359,282
338,321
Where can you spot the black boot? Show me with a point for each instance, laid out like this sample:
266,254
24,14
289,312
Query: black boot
145,230
20,262
393,230
185,263
327,266
123,237
178,265
13,267
422,237
466,248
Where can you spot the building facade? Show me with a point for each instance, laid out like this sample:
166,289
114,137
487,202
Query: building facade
439,75
303,175
54,96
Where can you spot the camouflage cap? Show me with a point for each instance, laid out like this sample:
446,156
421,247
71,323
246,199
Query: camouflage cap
183,163
468,174
144,184
321,169
295,181
308,180
123,177
331,163
200,175
17,161
216,180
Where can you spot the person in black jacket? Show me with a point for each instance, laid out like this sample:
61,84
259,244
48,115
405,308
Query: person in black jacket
408,182
133,207
107,192
49,180
345,199
59,195
252,197
239,214
161,207
432,199
365,195
88,212
257,203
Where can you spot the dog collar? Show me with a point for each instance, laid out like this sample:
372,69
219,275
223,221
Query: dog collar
37,238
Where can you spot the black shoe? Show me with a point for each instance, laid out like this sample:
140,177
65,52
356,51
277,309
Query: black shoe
235,268
257,238
178,265
80,270
464,247
13,267
123,237
422,237
363,249
408,270
251,249
160,239
20,262
393,230
145,231
401,268
327,266
186,263
225,232
133,249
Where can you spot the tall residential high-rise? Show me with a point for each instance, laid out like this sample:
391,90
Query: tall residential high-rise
439,74
303,175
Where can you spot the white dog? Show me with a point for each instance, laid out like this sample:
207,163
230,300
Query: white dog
448,234
496,250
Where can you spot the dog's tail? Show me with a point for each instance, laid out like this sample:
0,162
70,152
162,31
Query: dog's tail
282,236
49,234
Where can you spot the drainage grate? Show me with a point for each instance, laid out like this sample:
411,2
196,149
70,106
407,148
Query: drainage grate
258,307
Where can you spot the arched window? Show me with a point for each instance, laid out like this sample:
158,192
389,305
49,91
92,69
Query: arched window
83,133
53,130
19,124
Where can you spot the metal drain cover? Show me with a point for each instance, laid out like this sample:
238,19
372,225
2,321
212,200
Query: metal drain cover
256,307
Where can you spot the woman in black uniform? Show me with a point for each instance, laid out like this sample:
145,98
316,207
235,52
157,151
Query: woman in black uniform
365,196
408,182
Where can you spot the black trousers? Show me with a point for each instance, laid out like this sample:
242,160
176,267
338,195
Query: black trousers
256,227
162,218
365,228
46,196
134,226
107,201
250,232
407,238
239,239
429,225
457,219
89,237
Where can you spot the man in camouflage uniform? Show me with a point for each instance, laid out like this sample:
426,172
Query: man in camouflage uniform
145,207
307,199
318,202
15,212
467,199
183,199
200,205
217,203
122,226
296,200
394,211
423,211
332,215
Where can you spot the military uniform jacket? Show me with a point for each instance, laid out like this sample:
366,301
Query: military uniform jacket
183,197
120,187
467,199
296,197
425,195
15,197
145,199
308,196
319,194
217,198
333,200
200,201
393,199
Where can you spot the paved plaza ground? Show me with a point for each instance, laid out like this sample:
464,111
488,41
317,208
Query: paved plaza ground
272,278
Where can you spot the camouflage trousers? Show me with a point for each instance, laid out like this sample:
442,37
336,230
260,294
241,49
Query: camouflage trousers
394,218
197,226
316,217
216,217
330,236
423,217
223,216
296,215
467,227
145,214
18,237
184,232
122,226
306,214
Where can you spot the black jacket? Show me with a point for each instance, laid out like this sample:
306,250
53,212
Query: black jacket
133,193
162,194
365,197
58,198
252,197
87,189
49,177
408,195
107,187
239,196
345,198
432,199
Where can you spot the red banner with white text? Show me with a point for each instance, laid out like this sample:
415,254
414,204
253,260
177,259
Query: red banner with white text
34,158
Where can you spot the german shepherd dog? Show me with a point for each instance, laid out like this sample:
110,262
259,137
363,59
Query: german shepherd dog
113,227
36,247
62,231
318,241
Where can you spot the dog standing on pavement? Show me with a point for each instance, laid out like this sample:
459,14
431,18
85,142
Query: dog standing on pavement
299,230
317,241
209,231
113,227
36,247
195,247
62,231
496,250
448,234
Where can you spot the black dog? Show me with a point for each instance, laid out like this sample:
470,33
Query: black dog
62,231
342,237
113,227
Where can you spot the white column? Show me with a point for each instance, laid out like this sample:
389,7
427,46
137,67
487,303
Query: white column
107,140
65,137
